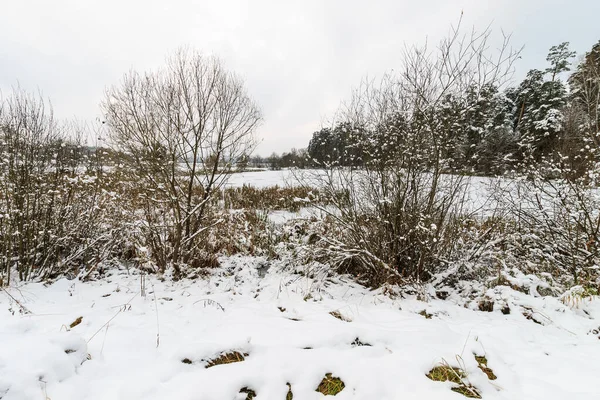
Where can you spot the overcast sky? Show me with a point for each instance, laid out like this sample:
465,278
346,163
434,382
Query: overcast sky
299,59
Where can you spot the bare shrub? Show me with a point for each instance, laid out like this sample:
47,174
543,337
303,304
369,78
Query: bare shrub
182,128
50,198
398,217
558,211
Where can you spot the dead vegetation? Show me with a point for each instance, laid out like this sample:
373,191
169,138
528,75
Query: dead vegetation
486,305
337,314
482,361
330,385
77,321
226,358
271,198
250,394
359,343
446,373
443,373
222,359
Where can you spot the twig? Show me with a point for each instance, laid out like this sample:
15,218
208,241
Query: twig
113,317
25,309
211,303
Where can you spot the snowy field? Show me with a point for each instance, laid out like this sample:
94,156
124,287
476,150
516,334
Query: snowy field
132,347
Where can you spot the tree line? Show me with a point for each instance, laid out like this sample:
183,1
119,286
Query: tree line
488,129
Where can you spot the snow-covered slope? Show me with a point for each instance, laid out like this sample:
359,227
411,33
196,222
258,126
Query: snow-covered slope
383,349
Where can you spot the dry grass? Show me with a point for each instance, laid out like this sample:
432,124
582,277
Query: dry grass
330,385
358,343
467,391
289,395
445,372
227,358
339,316
76,322
426,314
482,361
270,198
250,394
246,232
486,305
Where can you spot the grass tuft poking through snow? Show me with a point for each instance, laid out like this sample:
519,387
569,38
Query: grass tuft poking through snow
482,361
467,391
227,358
330,385
358,343
339,316
250,394
75,323
445,372
290,394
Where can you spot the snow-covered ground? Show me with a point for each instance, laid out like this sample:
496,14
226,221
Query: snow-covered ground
262,179
131,347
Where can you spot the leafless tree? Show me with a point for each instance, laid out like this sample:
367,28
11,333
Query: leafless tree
182,127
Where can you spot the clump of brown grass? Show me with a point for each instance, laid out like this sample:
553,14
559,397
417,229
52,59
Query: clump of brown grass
467,391
340,316
359,343
205,260
444,372
486,305
330,385
289,395
250,394
76,322
270,198
227,358
482,361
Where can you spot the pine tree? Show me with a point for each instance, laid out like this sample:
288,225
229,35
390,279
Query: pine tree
585,93
558,57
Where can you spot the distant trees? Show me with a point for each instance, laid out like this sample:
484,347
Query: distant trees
340,145
182,127
486,128
585,94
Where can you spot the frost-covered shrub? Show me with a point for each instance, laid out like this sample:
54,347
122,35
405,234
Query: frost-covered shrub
181,129
50,198
399,218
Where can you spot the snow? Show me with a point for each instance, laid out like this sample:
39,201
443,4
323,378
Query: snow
281,319
262,179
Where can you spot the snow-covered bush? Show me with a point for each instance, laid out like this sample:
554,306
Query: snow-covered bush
50,198
398,220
